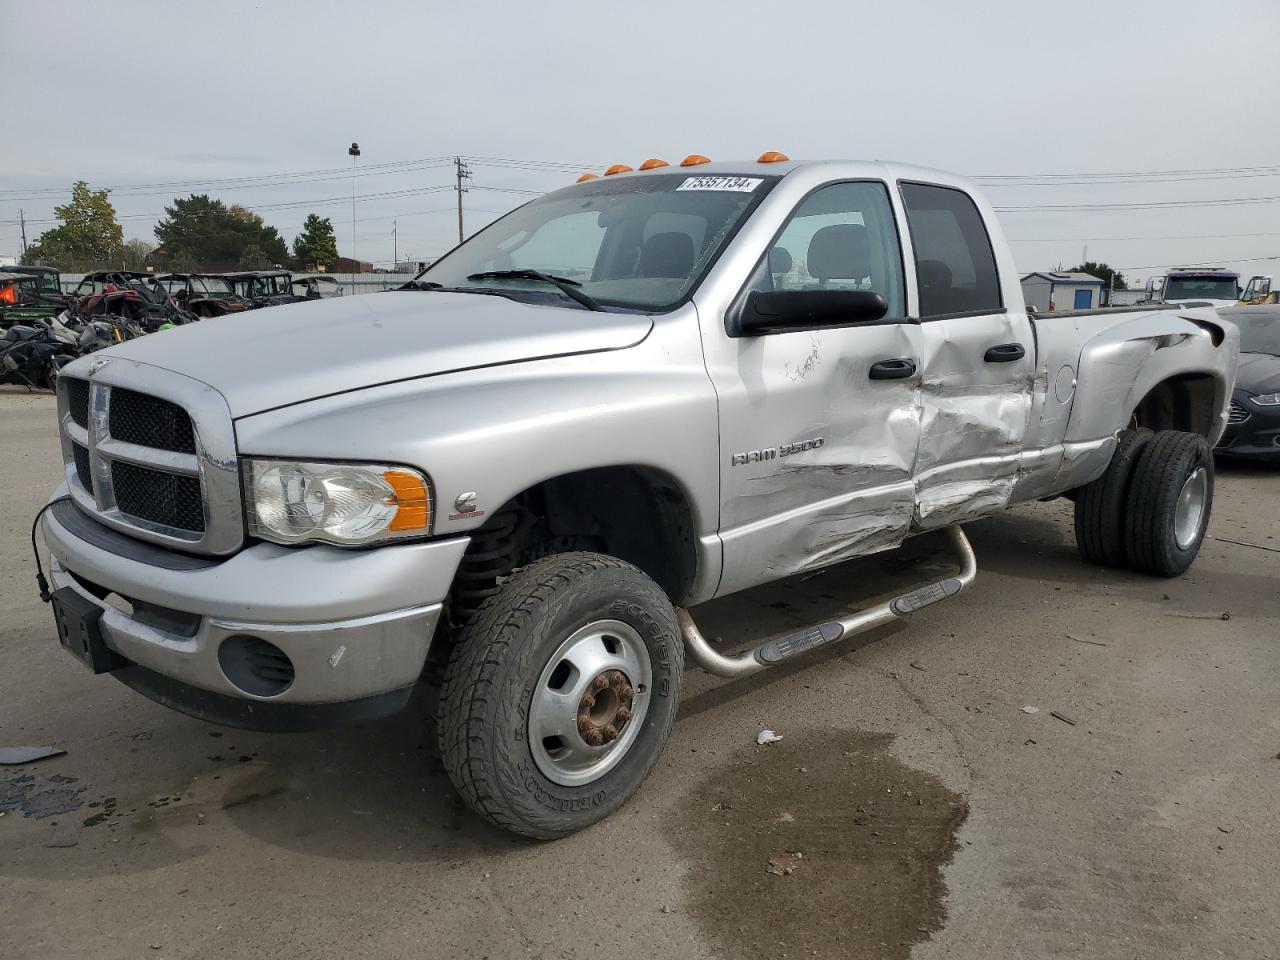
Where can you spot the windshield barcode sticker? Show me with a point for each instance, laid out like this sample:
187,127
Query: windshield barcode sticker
740,184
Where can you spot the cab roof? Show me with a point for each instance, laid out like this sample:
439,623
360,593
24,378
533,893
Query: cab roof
833,169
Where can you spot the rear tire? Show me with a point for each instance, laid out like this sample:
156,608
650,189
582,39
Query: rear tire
1100,505
1170,498
569,641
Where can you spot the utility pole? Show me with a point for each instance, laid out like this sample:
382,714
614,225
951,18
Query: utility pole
395,247
462,173
22,219
354,151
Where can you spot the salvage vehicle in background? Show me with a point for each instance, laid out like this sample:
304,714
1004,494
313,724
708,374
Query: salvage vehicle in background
521,473
264,288
24,298
49,277
130,294
1259,291
32,356
1253,422
316,288
203,295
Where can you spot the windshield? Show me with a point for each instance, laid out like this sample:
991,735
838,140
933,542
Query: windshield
639,242
1259,334
212,285
1201,288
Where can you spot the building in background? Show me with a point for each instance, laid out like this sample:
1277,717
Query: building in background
1062,291
347,265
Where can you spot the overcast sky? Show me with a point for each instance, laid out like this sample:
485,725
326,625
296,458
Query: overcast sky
131,94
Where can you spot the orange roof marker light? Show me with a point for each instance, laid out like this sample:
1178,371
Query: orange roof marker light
694,160
653,163
773,156
617,168
585,177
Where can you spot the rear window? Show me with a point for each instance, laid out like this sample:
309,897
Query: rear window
955,265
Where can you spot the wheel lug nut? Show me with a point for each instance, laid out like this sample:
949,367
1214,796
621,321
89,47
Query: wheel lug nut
599,683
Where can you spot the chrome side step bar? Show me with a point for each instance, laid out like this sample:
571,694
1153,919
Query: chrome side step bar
776,651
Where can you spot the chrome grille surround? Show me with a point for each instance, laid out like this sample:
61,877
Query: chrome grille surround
214,462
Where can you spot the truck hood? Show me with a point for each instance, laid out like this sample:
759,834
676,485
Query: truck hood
263,359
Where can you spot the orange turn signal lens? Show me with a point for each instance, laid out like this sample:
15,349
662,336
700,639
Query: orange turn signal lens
653,163
773,156
617,168
411,498
694,160
585,177
9,295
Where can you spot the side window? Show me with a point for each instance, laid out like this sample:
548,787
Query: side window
955,266
841,237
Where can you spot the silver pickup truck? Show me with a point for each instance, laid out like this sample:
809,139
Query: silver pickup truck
513,481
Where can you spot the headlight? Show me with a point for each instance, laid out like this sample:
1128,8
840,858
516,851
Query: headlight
344,503
1267,399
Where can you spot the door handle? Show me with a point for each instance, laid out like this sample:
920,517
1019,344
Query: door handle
897,369
1005,353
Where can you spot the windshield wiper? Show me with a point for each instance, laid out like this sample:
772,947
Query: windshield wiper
563,284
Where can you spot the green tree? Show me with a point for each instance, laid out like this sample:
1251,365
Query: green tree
89,233
254,258
203,231
1103,273
136,254
316,246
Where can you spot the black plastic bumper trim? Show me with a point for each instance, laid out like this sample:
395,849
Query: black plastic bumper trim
72,519
257,714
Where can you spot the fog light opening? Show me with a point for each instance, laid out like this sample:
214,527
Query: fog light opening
255,666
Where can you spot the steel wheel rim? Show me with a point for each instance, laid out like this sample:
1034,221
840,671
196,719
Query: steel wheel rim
1189,513
558,745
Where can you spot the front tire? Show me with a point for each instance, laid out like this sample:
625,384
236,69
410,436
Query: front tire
1170,497
560,694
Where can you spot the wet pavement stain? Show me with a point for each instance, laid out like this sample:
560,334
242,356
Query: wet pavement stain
40,800
821,845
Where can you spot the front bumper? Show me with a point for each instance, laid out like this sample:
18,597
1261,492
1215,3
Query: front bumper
355,625
1257,437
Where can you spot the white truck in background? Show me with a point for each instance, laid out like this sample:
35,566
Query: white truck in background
1202,286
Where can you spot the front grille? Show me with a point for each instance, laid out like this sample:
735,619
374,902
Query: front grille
1236,413
150,422
169,499
78,400
148,452
83,471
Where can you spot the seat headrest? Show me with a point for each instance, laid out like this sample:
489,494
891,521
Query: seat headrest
933,274
780,260
839,252
666,255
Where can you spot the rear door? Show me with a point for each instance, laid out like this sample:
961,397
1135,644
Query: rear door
817,447
978,361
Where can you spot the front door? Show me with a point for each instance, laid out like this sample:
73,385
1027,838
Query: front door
979,362
1084,299
818,428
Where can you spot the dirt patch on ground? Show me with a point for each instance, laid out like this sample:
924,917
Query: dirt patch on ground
820,845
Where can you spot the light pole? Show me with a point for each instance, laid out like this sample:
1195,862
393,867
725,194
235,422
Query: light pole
354,150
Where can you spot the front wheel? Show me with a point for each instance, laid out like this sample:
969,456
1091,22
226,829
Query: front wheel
1170,497
560,694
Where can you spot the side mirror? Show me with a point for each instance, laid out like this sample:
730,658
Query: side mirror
781,311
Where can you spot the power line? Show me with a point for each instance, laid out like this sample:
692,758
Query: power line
269,179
